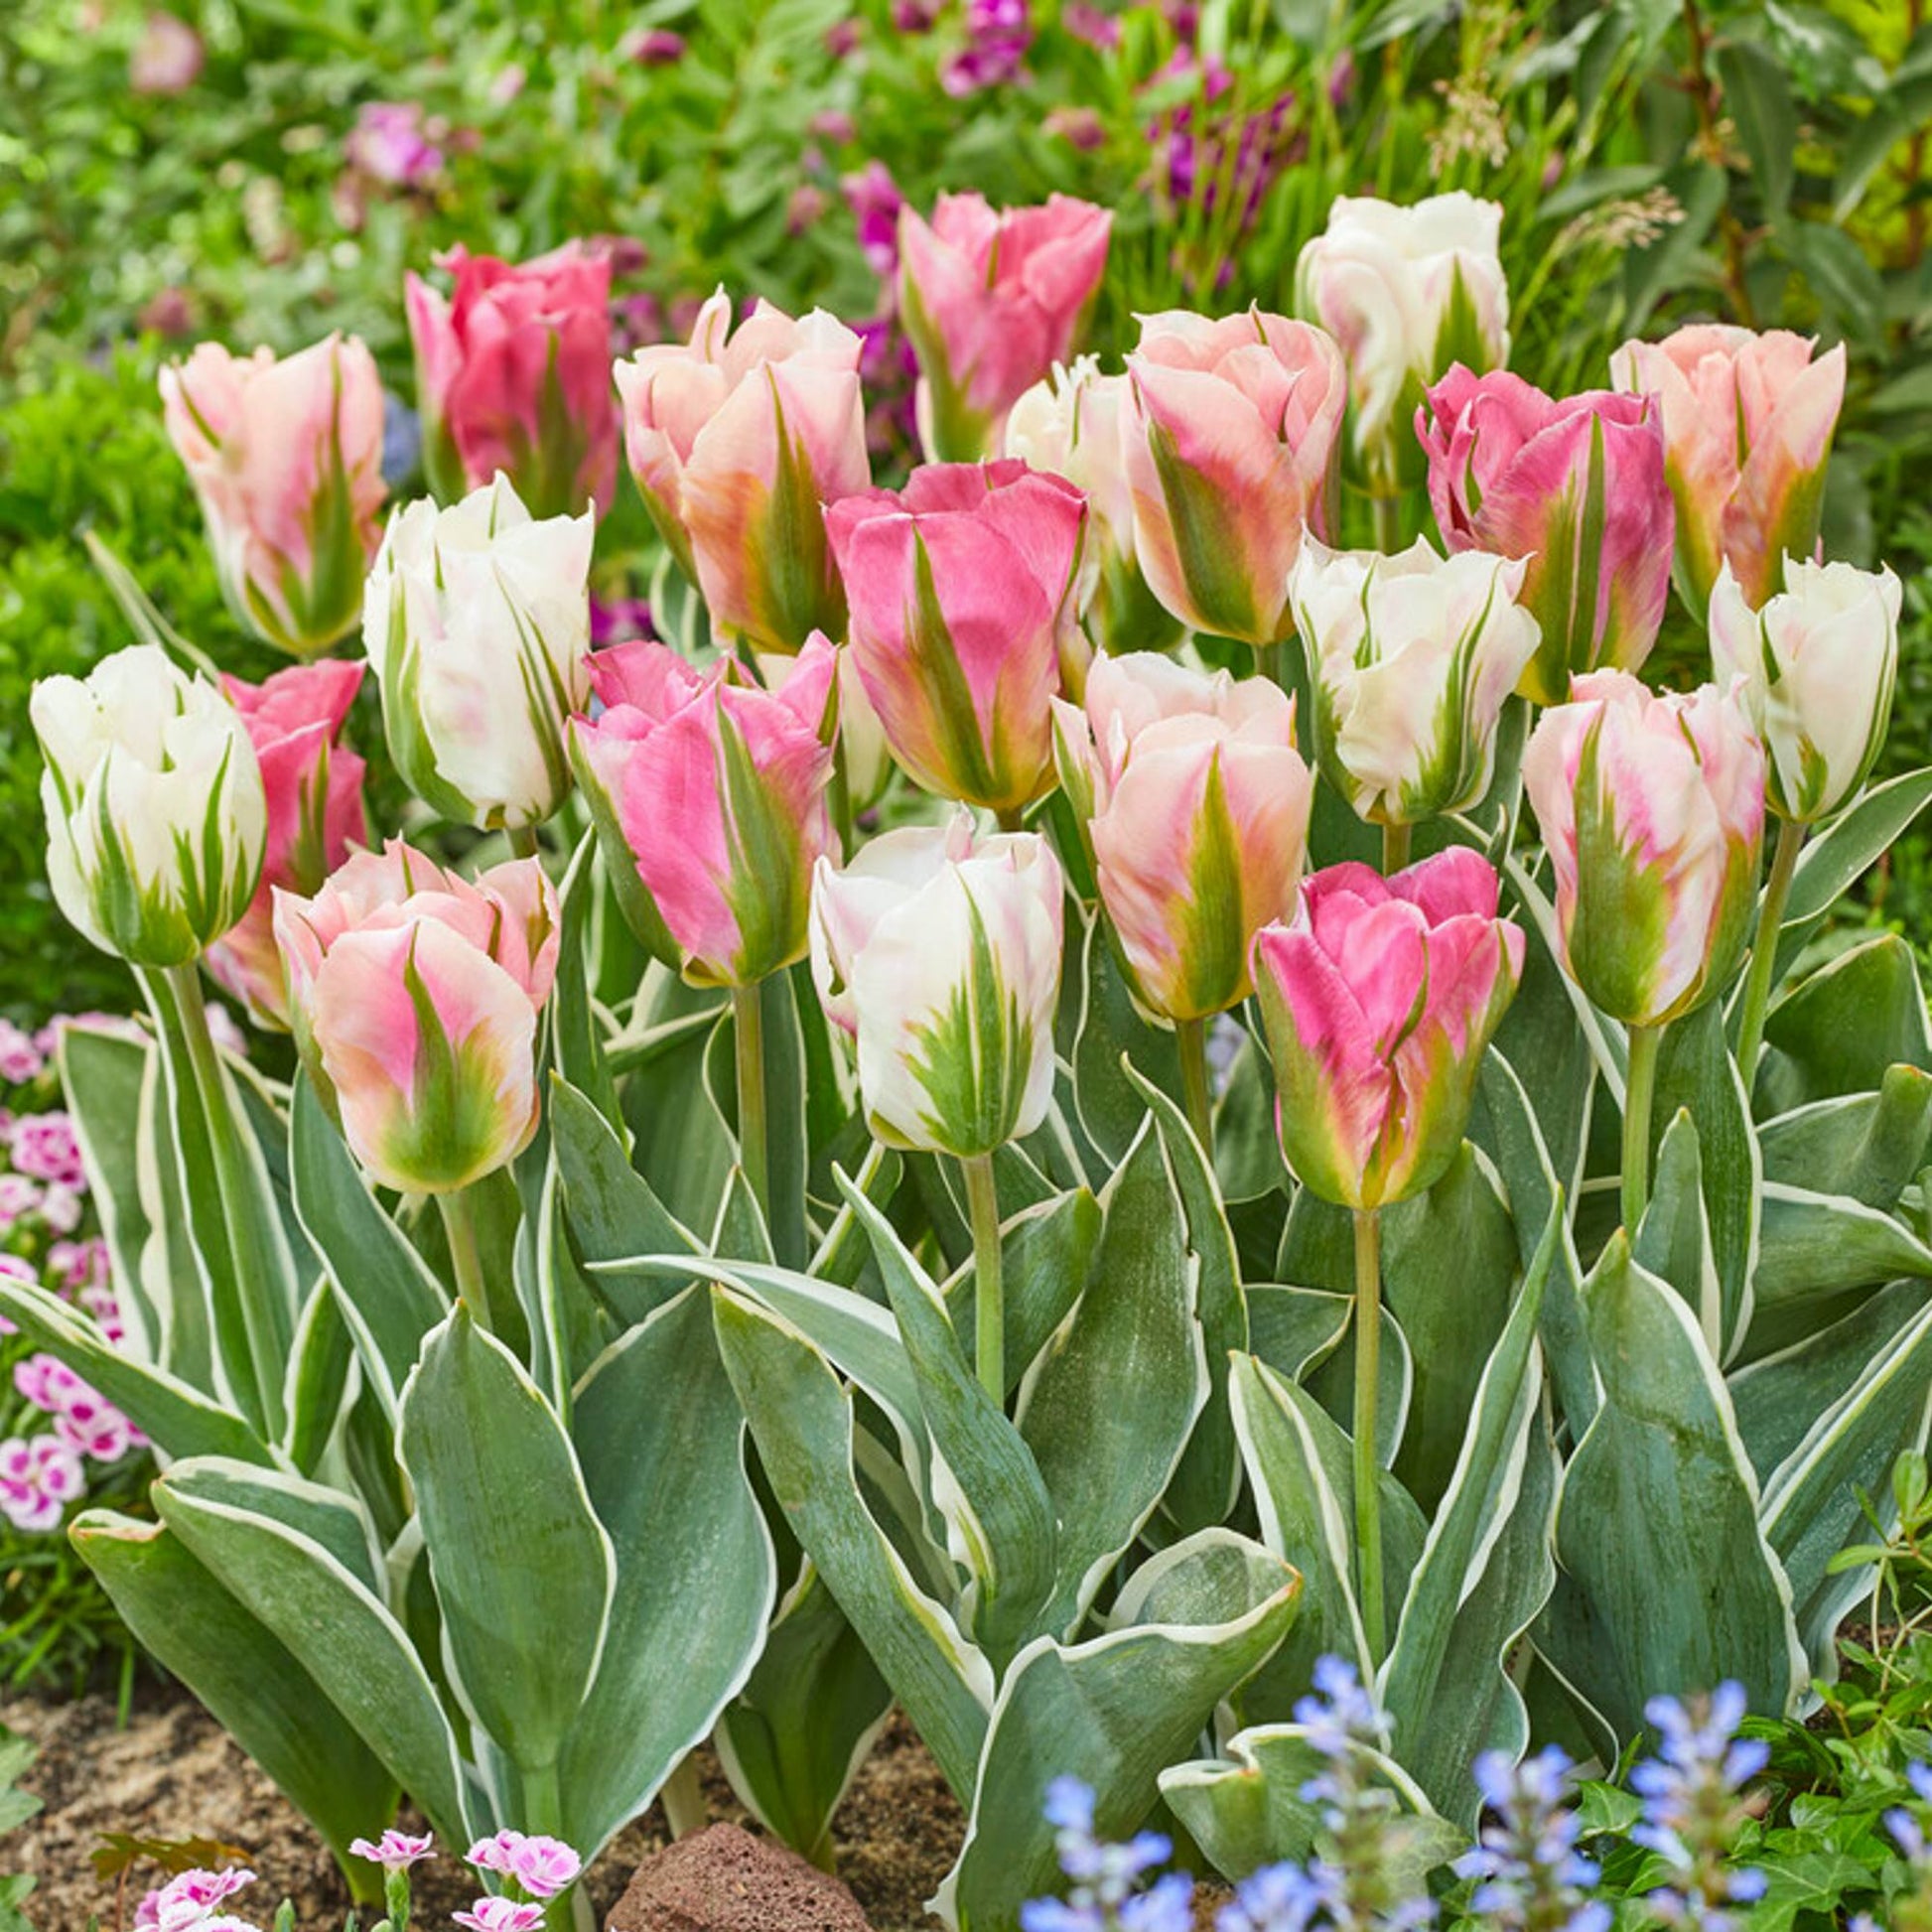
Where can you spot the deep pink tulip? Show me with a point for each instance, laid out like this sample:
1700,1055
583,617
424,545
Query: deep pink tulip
514,373
992,299
963,628
1379,998
1577,486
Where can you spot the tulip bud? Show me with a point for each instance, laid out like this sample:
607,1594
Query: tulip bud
1229,443
312,787
1652,809
1411,658
940,954
1747,434
1406,292
1576,487
1196,809
709,800
1072,426
513,374
155,816
991,299
286,460
1379,998
961,593
736,444
1818,663
415,998
477,622
861,739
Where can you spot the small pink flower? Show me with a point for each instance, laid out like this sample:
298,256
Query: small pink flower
43,1146
47,1384
658,47
544,1866
168,59
500,1916
875,201
19,1197
96,1428
21,1059
394,1851
61,1208
39,1477
388,144
106,1307
187,1904
495,1853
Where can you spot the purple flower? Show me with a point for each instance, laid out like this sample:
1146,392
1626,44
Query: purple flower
39,1477
21,1059
842,39
1091,24
1529,1869
388,144
619,619
915,16
1691,1809
394,1851
875,201
833,124
658,47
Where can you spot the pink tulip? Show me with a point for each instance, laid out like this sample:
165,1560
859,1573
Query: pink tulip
1379,998
992,299
1577,487
1196,808
736,439
1747,431
1653,812
1230,444
709,798
414,996
313,783
963,623
286,458
514,373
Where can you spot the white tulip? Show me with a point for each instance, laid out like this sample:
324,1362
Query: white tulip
477,622
1819,662
155,816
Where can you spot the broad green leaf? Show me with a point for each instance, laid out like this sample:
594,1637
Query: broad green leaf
1294,1329
576,1045
102,1079
1857,837
785,1100
1111,1032
1046,1258
317,1378
844,1255
1815,1245
680,1143
1868,1145
1674,1239
171,1277
1758,92
1542,1031
1840,1030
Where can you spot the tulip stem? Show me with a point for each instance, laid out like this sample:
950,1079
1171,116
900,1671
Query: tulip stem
1765,948
460,1225
748,1039
523,841
1368,1464
1191,1037
1639,1091
1396,841
1268,662
1387,506
989,1288
1011,818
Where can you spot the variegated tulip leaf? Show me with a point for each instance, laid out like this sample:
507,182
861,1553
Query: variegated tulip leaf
1542,1031
574,1037
1190,1624
317,1386
1045,1257
1818,1245
740,1230
170,1276
523,1569
679,1141
801,1418
1674,1238
1856,839
1294,1329
1106,1461
1837,1031
1607,1051
843,1256
1868,1145
661,1445
788,1158
1111,1032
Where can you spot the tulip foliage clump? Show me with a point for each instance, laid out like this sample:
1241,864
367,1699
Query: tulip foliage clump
1098,1096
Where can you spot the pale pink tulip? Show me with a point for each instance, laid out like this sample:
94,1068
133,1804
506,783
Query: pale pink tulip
1231,439
286,459
1749,420
992,299
1195,805
1379,998
709,798
736,439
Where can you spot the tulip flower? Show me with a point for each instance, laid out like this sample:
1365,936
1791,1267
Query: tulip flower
155,816
864,754
1576,487
1071,425
1407,292
1195,805
513,374
286,460
477,622
1230,443
961,588
1411,658
1747,434
736,439
415,997
1653,812
312,786
992,299
709,798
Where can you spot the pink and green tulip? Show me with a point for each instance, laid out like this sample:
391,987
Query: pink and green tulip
1652,809
1576,488
415,995
1230,441
1379,998
709,796
286,460
961,588
737,440
1195,805
1749,420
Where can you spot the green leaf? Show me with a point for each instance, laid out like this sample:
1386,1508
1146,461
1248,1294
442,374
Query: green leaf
523,1569
103,1076
575,1045
1757,92
1674,1240
1111,1032
786,1110
1838,1030
1868,1145
318,1379
1046,1258
1857,838
1815,1245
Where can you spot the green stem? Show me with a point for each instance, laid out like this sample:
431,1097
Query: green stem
1765,948
459,1224
1191,1037
838,797
523,841
1011,818
1641,1089
1368,1466
748,1039
990,1337
544,1811
1387,508
233,1181
1268,662
1396,840
682,1797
